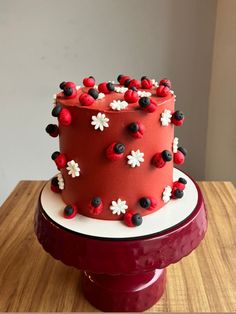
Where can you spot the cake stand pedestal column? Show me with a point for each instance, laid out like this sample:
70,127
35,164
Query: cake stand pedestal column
127,274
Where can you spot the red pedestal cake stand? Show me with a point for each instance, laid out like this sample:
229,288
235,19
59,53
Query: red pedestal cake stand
123,269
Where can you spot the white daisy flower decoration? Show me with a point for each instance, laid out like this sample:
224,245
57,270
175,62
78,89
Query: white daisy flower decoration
60,180
54,98
166,194
144,93
175,144
154,83
101,96
118,105
166,117
118,207
135,158
78,87
120,89
100,121
73,169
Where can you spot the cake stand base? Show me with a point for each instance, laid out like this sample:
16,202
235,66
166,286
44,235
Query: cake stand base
122,272
124,293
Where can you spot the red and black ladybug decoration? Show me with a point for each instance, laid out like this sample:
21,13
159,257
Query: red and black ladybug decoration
147,104
69,89
59,159
63,115
52,130
106,88
136,129
123,78
162,91
160,159
96,206
89,81
70,211
177,118
180,184
131,96
165,82
134,83
148,202
115,151
55,185
179,156
146,83
132,219
86,99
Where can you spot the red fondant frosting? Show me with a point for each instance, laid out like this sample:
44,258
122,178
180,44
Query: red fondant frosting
103,173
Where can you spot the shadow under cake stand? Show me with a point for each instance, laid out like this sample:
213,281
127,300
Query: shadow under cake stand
123,269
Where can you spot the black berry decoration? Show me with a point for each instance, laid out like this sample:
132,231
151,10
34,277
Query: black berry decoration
166,155
126,82
110,87
93,92
119,148
52,129
68,91
119,77
56,110
133,127
62,85
182,180
55,155
137,219
70,211
96,202
144,102
178,193
145,202
183,150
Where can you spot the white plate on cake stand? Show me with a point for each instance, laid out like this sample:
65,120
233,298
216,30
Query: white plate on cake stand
170,215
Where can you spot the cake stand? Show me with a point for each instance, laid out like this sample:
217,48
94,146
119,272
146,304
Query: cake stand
123,269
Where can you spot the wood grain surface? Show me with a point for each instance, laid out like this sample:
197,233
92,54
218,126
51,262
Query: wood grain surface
32,281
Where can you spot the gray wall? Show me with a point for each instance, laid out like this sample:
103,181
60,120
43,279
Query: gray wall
45,42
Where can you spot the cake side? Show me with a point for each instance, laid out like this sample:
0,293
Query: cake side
117,150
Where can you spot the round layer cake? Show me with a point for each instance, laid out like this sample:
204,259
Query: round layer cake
117,148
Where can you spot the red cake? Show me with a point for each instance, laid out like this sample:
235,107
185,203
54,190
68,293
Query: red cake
117,148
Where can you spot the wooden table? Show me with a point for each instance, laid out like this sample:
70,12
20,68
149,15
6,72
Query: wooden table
32,281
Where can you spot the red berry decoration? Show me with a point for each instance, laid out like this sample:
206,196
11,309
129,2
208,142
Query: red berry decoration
106,88
70,211
52,130
131,96
162,91
86,99
146,83
179,156
65,117
96,206
165,82
147,104
123,78
178,118
159,159
148,203
60,159
136,129
89,81
54,185
134,83
115,151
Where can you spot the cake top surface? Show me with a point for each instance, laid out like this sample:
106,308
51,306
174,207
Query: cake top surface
125,96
